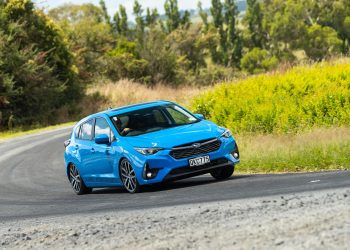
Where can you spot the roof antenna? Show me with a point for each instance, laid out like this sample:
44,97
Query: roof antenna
109,108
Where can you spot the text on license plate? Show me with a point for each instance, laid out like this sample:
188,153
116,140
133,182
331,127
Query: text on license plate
199,161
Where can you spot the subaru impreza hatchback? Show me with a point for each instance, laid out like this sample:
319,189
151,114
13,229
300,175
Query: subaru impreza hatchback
144,144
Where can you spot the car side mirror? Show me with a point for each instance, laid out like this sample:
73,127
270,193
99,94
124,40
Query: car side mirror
102,139
199,116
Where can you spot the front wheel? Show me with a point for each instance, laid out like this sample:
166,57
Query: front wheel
128,177
77,182
223,173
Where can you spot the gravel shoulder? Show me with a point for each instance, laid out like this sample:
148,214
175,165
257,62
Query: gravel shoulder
318,220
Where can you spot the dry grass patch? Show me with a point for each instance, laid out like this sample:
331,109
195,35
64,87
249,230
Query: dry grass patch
125,92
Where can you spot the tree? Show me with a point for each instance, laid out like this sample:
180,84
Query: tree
126,62
89,36
335,14
204,16
321,42
121,21
107,18
286,25
218,21
140,23
161,59
258,61
151,17
253,20
233,44
190,47
174,19
36,67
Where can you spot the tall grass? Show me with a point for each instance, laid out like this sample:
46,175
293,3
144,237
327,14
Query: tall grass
301,98
126,92
316,150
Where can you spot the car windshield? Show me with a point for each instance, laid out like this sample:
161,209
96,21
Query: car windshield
152,119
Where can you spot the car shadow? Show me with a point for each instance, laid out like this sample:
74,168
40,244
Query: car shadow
159,187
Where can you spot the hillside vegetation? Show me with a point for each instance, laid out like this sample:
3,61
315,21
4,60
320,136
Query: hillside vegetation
302,98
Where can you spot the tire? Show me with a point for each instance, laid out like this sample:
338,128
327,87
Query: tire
77,182
128,177
223,173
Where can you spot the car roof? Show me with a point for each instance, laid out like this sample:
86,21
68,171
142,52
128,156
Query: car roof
133,107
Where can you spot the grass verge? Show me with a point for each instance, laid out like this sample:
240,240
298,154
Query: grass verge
16,133
320,149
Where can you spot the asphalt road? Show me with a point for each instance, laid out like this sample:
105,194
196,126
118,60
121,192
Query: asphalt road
33,184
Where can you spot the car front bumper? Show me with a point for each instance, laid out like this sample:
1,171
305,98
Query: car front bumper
168,168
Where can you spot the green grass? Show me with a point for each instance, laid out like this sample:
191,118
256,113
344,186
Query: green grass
316,150
16,133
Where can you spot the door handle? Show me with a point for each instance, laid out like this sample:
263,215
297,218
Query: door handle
92,150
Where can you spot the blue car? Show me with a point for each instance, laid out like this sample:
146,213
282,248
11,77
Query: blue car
145,144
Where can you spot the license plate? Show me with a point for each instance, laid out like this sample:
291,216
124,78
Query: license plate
199,161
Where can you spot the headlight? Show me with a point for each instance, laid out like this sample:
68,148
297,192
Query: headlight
226,134
148,151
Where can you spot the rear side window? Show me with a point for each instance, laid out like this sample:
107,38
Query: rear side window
102,127
85,132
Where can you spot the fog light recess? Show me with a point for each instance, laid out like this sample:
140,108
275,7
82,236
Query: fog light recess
149,173
235,153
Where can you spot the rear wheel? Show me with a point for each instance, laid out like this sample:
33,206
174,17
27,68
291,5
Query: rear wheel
128,177
77,182
223,173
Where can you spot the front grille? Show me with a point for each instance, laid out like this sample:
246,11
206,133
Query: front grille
188,150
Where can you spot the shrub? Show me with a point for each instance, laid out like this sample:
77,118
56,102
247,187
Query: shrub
321,42
303,97
258,60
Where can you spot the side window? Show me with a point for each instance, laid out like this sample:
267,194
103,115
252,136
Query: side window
86,130
102,127
76,132
158,116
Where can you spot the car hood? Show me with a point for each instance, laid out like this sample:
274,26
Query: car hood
176,136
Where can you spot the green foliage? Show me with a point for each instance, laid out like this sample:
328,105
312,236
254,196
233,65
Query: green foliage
321,42
169,49
151,17
121,22
106,16
89,37
161,59
253,19
203,15
258,61
234,44
36,68
125,62
301,98
140,23
190,46
335,14
172,11
225,20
